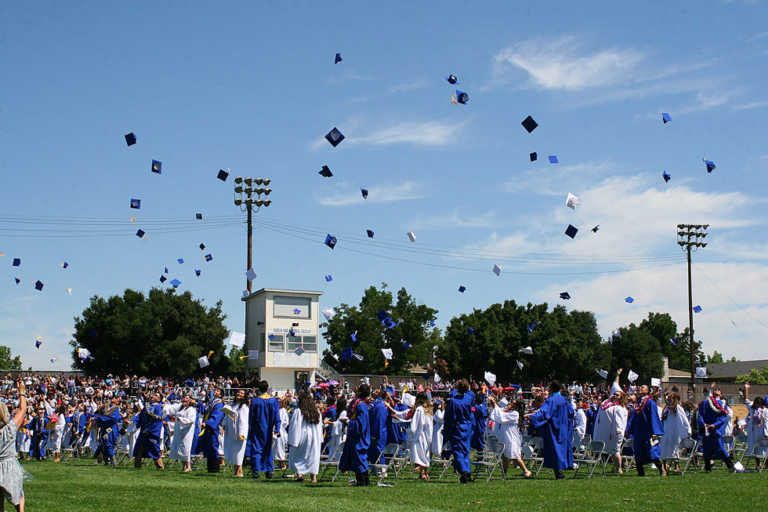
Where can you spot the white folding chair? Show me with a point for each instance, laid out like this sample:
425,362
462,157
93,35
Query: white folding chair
593,456
490,459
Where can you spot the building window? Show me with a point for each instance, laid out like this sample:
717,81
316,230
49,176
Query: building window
276,343
294,342
291,307
310,344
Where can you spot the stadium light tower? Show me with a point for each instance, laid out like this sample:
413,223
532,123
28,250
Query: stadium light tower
691,236
245,190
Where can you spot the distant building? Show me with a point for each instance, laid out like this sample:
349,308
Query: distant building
281,336
727,372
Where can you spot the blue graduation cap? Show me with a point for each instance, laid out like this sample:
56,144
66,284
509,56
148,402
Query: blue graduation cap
291,332
197,272
271,336
710,165
299,351
596,228
529,124
334,137
163,278
180,260
165,270
462,289
452,79
381,315
337,59
532,326
571,231
553,159
65,265
673,341
330,241
364,192
39,286
208,257
140,233
175,283
16,262
325,172
406,344
346,354
353,336
470,330
534,156
328,278
296,311
462,97
222,175
369,232
666,176
665,117
38,342
431,323
157,166
389,323
697,309
565,295
130,139
136,204
629,300
199,216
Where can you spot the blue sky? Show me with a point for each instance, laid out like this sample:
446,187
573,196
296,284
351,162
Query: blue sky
252,87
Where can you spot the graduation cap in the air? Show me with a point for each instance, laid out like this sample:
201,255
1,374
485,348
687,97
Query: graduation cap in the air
291,332
389,323
39,286
497,269
203,361
334,137
197,272
346,354
534,156
381,315
157,166
697,309
369,232
250,274
328,313
529,124
130,139
199,216
629,300
364,192
163,278
665,117
602,373
387,353
462,97
140,233
328,278
38,342
553,159
165,270
520,365
452,79
565,295
673,341
532,326
571,231
175,283
411,236
337,58
136,204
208,257
462,289
431,323
325,172
526,350
180,261
202,246
572,201
406,345
353,336
666,176
299,351
596,228
296,311
65,265
17,280
16,262
470,330
710,165
330,241
223,175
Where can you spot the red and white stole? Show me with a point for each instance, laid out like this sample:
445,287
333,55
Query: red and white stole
608,404
714,403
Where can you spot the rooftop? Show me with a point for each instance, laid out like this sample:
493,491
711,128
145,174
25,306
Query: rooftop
732,370
279,290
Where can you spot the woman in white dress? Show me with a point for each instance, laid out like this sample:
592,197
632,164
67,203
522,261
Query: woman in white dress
757,430
437,429
280,443
23,439
59,421
610,425
506,422
183,432
579,426
338,431
305,438
237,432
676,428
419,432
11,475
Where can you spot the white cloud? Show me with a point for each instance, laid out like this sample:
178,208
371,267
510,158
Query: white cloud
426,133
455,220
751,105
406,191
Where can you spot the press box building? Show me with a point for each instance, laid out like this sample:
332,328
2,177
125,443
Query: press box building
281,336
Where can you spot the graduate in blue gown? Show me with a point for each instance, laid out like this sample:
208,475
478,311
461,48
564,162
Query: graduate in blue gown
108,421
457,428
646,428
713,417
355,455
263,423
150,428
591,414
208,440
39,433
479,424
554,422
377,415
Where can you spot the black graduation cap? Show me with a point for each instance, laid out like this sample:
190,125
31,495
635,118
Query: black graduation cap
334,137
157,166
534,156
165,271
140,233
596,228
369,232
136,204
337,59
130,139
462,289
197,272
163,279
39,286
529,124
223,175
571,231
199,216
330,241
364,192
208,257
710,165
666,176
202,246
462,97
16,262
17,280
326,171
565,295
452,79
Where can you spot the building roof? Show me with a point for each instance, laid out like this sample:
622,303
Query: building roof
732,370
679,373
279,290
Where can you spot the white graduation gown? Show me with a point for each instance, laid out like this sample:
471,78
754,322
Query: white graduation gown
505,423
236,428
676,428
420,437
610,426
437,433
305,441
757,431
57,434
280,444
338,436
183,433
579,426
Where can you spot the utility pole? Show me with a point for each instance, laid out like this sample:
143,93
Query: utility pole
244,199
688,236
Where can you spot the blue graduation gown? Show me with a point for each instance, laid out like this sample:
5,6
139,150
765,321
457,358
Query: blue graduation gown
457,429
39,436
377,415
591,417
479,426
646,423
109,431
150,427
355,454
263,421
196,449
209,437
712,444
553,421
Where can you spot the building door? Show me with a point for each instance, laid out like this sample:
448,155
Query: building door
301,379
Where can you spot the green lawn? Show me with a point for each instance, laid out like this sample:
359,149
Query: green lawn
82,486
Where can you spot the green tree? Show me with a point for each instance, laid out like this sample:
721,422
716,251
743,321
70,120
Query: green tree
715,358
161,334
411,339
237,360
755,376
7,362
635,348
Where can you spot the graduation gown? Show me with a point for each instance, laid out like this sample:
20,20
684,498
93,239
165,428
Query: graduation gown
39,436
305,441
553,421
610,426
338,436
209,435
236,434
183,433
355,454
150,430
579,426
479,426
280,443
757,432
457,429
676,428
712,412
437,433
264,421
378,419
646,424
109,430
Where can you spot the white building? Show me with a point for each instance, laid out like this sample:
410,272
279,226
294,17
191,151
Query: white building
281,336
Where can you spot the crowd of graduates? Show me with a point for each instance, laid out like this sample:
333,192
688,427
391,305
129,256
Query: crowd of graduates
245,423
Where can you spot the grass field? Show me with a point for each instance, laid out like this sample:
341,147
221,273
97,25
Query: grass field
82,486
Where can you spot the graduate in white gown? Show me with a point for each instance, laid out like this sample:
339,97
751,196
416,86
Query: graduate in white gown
183,432
676,428
611,424
506,424
757,430
437,429
305,438
419,432
280,442
236,428
57,432
338,431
